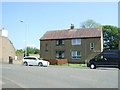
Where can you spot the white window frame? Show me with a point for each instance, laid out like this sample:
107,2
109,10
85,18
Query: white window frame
57,42
63,55
92,45
57,55
76,56
63,42
76,41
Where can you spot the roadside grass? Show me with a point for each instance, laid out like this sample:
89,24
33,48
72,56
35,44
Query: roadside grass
67,64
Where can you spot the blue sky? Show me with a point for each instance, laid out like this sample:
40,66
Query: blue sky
46,16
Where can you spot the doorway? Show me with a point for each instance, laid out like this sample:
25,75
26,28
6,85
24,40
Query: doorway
10,60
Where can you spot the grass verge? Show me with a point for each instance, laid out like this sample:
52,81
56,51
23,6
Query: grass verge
67,64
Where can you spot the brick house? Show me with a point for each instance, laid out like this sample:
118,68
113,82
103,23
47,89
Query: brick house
119,45
76,45
7,50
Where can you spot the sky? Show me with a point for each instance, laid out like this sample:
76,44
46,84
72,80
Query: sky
41,17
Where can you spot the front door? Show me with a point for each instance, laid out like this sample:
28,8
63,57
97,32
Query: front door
60,54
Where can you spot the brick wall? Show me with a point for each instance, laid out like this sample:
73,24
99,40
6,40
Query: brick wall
84,48
57,61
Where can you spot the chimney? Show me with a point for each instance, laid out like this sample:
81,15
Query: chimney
4,32
72,26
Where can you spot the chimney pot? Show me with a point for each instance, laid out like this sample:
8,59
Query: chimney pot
72,26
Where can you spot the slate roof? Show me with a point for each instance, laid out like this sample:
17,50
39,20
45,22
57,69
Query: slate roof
72,33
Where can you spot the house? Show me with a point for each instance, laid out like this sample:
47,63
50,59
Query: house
76,45
119,45
7,50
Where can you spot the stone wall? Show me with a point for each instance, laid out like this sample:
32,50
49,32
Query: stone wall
7,50
20,56
35,55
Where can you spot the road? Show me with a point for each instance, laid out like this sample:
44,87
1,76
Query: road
18,76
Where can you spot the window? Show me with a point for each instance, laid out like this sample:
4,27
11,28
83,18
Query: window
46,47
60,55
99,57
91,46
30,58
76,54
59,42
76,41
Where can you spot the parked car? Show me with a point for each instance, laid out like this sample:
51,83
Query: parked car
108,58
30,60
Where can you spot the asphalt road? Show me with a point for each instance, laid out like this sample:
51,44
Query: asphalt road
18,76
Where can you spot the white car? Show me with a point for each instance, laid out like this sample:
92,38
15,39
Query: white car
30,60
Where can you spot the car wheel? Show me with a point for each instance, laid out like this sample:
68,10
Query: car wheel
40,64
92,66
25,64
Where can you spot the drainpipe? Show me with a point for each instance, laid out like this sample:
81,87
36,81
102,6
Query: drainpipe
85,52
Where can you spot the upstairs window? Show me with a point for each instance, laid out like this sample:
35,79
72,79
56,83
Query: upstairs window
91,46
59,42
76,54
76,41
46,47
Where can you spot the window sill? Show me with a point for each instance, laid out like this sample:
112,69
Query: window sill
76,58
76,45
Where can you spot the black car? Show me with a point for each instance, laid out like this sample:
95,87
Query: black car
107,58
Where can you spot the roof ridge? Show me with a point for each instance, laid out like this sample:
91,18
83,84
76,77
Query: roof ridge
76,29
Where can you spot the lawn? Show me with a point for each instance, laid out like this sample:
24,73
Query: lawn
67,64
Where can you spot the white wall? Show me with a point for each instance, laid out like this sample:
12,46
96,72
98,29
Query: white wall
4,33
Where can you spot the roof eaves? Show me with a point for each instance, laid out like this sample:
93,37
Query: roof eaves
69,38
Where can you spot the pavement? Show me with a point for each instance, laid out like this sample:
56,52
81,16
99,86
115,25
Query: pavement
19,76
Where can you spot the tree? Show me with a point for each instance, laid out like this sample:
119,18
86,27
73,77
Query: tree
111,36
90,24
19,51
30,50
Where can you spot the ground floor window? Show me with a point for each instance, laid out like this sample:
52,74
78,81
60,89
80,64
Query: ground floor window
76,54
60,55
